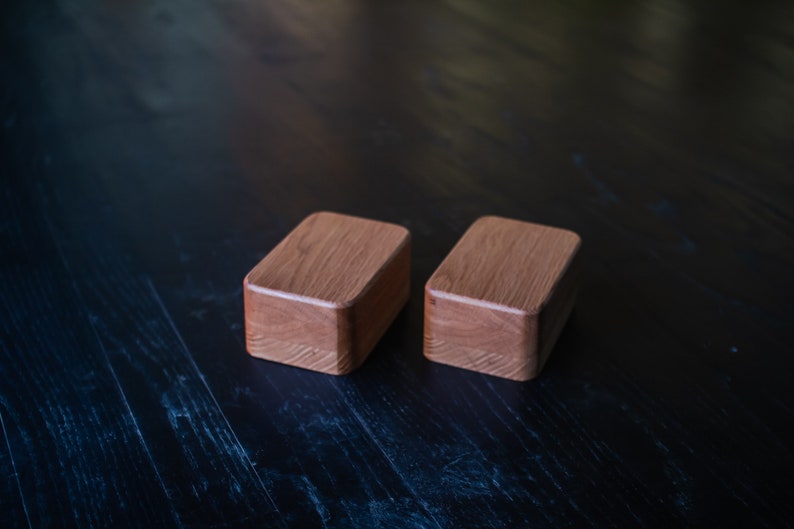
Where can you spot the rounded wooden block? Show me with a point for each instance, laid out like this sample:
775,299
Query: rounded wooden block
323,297
499,300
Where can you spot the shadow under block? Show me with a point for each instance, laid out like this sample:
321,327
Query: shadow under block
500,299
324,296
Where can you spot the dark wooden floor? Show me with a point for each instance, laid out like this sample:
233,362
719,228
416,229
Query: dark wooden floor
152,152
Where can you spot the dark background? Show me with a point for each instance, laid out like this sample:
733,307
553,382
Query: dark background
152,152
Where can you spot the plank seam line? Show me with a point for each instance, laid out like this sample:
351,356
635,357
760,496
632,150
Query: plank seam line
178,335
16,474
106,357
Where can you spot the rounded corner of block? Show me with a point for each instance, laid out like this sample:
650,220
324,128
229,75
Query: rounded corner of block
526,377
431,292
348,361
250,287
405,233
402,236
431,285
525,371
320,213
250,349
575,238
427,352
486,218
318,216
402,230
341,372
344,305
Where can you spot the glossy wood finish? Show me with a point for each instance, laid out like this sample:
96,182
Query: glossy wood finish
499,300
152,152
324,296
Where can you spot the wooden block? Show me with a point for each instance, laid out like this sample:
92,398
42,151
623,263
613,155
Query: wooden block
499,300
326,294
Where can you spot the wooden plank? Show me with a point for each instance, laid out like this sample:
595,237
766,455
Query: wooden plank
83,219
118,426
300,427
301,436
201,133
79,456
12,500
208,474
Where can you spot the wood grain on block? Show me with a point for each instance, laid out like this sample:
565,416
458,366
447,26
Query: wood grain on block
500,299
326,294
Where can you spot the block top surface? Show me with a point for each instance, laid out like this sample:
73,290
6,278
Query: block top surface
506,264
328,257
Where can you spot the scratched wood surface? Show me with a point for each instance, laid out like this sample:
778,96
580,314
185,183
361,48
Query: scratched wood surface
153,152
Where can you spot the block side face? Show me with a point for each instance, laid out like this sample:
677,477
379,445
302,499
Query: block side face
346,360
329,257
506,262
291,332
375,311
511,367
296,355
555,314
477,328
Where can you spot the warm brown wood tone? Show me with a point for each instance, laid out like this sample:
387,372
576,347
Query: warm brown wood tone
499,300
326,294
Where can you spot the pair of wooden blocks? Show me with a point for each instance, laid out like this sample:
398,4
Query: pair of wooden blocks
326,294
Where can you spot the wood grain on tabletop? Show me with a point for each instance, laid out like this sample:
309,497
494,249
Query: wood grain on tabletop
499,300
152,152
324,296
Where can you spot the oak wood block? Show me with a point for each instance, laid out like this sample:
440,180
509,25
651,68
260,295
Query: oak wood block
499,300
324,296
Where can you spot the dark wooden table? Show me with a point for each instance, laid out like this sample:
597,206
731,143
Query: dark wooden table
153,152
